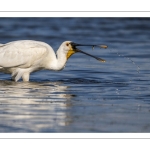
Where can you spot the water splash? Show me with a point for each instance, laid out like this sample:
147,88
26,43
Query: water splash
117,92
131,79
120,55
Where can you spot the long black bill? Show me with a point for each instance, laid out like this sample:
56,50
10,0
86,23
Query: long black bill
101,46
78,50
99,59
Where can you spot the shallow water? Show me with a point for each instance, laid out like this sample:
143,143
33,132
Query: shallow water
87,96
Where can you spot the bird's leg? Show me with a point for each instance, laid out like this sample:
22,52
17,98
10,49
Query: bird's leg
13,78
18,73
25,77
13,75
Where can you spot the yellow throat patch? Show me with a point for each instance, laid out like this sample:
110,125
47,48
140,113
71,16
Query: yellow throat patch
70,52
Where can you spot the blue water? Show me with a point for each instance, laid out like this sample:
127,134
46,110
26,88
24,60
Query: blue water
87,96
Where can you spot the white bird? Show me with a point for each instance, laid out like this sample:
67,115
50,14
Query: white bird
20,58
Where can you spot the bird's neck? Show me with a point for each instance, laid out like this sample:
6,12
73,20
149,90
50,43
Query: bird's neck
59,62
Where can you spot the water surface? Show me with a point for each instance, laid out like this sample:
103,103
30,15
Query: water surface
87,96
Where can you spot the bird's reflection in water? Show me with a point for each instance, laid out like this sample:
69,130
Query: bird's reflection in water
33,106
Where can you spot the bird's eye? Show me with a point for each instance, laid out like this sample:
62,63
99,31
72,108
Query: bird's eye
67,44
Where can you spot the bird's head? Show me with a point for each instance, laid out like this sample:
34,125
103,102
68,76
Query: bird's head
70,48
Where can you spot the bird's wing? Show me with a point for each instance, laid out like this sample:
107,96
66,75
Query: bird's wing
22,53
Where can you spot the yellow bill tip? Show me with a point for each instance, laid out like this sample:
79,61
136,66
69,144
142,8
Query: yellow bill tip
101,60
103,46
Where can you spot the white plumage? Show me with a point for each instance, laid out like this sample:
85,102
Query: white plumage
20,58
